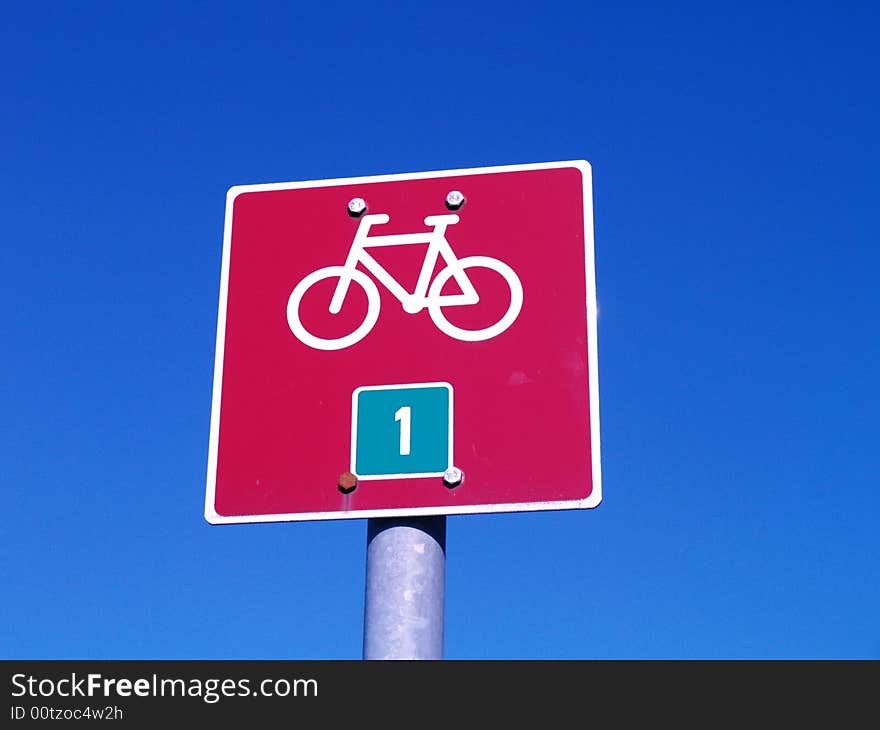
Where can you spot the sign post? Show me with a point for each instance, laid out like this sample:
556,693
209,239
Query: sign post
406,346
405,584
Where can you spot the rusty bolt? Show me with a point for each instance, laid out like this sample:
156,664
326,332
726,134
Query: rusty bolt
347,482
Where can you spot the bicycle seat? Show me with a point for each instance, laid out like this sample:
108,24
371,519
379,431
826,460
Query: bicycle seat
376,218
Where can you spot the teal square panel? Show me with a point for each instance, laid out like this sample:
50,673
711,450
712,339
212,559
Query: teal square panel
401,431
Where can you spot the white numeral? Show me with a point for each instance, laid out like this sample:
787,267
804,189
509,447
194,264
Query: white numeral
403,415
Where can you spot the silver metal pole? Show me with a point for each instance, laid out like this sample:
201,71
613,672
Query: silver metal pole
406,581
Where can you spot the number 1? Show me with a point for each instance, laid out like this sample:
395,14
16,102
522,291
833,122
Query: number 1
403,415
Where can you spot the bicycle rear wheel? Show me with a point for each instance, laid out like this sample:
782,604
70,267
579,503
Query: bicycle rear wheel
339,343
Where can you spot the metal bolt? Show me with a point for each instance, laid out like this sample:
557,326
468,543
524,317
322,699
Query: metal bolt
454,199
347,482
453,476
357,207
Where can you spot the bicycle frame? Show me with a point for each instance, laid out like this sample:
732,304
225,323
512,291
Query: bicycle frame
437,246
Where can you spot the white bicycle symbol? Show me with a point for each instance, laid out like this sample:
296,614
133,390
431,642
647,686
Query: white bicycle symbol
424,296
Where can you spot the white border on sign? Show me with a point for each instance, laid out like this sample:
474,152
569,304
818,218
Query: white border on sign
595,497
401,386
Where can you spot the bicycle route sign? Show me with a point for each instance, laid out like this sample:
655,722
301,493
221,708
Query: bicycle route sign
407,344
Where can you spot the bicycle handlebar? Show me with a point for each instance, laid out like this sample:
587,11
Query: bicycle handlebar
448,219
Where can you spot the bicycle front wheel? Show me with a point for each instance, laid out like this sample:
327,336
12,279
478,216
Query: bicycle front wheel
487,333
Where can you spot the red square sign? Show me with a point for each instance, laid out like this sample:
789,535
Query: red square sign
407,345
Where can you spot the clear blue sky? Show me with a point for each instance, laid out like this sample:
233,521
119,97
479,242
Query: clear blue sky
735,159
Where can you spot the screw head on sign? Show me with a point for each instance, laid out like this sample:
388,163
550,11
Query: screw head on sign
357,207
347,482
454,199
452,477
